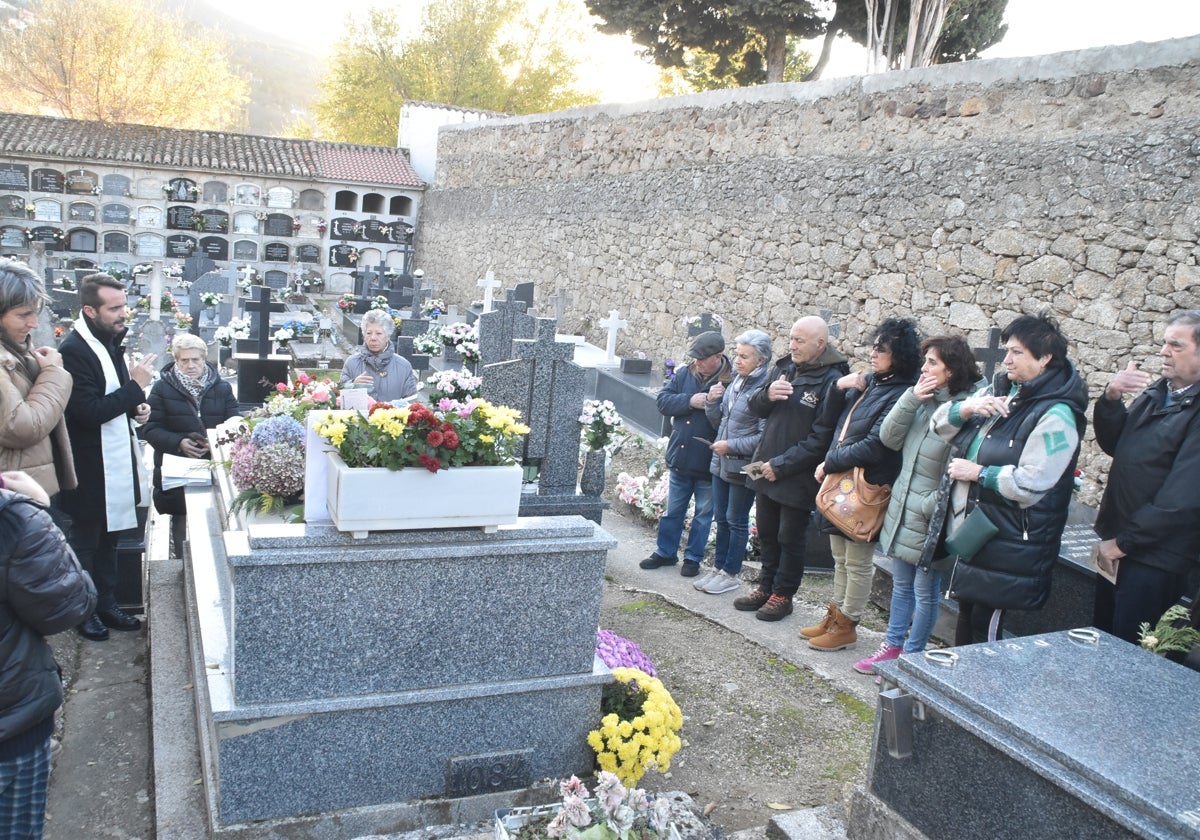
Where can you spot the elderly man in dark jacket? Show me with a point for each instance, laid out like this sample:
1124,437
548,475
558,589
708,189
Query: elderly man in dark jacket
684,399
801,404
44,591
1149,518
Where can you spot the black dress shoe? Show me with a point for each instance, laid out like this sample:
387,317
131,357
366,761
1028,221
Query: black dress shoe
117,619
93,629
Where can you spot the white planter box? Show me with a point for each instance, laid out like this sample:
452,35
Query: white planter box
365,499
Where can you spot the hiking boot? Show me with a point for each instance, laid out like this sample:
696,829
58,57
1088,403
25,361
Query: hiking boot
689,569
655,561
751,602
720,583
777,607
840,635
885,652
703,580
820,628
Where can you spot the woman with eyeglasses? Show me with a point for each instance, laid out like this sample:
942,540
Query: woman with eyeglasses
34,386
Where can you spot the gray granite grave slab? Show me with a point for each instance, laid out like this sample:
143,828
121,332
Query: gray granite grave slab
1045,736
64,302
43,333
152,338
634,395
310,646
507,322
414,327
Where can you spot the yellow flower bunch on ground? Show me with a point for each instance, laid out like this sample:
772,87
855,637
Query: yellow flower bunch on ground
639,729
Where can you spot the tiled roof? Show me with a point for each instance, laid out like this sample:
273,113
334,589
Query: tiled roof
27,135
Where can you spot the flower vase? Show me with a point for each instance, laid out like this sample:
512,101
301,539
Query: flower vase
591,480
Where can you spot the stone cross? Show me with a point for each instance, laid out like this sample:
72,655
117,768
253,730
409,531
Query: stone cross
835,329
263,307
420,292
489,284
156,290
246,272
706,324
548,389
498,329
990,355
612,324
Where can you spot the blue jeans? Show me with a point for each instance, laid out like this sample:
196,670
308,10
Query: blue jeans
915,596
731,514
680,490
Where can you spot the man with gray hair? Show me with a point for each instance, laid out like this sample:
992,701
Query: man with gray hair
1149,518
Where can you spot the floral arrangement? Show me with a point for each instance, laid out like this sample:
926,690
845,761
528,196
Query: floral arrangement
668,370
299,327
475,433
267,464
1173,633
238,328
346,303
210,298
600,422
282,336
614,813
463,339
640,726
456,384
698,320
433,308
380,302
142,268
166,303
429,343
616,652
643,493
183,321
301,395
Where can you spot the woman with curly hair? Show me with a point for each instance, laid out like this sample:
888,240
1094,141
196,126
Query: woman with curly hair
895,359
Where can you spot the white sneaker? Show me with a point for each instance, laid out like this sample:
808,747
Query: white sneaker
703,580
720,583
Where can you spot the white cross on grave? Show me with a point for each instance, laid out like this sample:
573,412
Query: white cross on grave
489,284
612,324
156,290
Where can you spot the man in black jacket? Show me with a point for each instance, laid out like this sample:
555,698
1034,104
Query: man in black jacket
1149,518
106,396
44,592
801,404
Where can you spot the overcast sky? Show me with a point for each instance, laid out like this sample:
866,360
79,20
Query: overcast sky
1036,27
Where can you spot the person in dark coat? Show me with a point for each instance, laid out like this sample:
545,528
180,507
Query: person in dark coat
1149,518
1017,443
45,591
801,403
188,398
895,359
683,399
106,400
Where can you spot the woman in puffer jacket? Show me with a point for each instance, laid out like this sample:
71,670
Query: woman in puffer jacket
950,372
738,432
189,398
895,359
34,387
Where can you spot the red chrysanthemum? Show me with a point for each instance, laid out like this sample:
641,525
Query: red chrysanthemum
450,440
434,438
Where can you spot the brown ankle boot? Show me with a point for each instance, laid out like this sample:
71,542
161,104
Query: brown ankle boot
820,628
840,635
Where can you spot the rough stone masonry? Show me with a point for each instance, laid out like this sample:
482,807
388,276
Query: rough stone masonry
962,195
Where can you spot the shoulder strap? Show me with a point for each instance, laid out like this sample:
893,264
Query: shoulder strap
850,413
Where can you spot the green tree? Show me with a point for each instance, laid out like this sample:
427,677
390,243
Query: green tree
700,67
471,53
731,32
119,61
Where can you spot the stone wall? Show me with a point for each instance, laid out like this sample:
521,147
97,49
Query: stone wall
960,195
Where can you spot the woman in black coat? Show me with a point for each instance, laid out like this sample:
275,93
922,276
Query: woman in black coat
188,398
895,360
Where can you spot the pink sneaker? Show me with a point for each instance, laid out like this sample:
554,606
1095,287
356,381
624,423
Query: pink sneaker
885,652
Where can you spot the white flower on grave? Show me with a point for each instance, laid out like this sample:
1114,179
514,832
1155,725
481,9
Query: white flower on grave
223,336
210,298
284,335
239,328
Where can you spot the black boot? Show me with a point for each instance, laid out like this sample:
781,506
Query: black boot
178,535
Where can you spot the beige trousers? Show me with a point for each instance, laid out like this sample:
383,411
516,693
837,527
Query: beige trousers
853,571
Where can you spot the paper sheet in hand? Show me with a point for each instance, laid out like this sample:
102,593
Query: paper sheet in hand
185,472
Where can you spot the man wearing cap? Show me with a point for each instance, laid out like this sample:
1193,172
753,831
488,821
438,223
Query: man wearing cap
683,399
